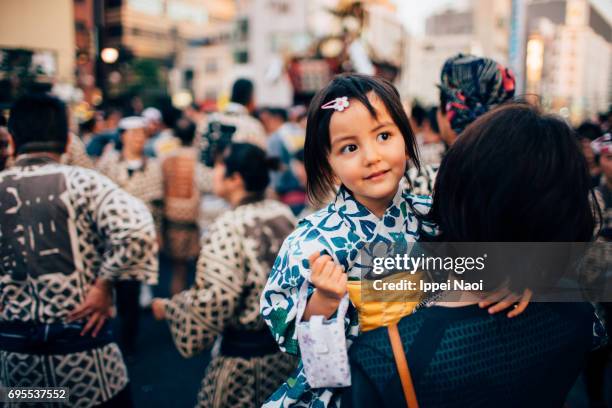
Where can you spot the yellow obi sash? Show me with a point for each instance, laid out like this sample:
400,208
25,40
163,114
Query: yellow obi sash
396,304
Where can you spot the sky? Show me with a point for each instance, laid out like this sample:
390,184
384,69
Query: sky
414,12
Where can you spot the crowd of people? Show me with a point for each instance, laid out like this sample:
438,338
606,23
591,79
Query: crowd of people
271,207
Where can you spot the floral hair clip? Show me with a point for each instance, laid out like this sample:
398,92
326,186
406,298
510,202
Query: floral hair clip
338,104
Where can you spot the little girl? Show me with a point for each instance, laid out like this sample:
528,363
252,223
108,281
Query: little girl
357,137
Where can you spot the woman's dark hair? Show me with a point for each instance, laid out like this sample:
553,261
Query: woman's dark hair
515,175
432,118
39,123
251,163
185,130
588,130
317,145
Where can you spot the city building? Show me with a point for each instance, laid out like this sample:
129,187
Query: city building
186,42
262,48
85,36
39,34
481,29
569,57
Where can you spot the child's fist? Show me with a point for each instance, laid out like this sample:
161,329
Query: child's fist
329,278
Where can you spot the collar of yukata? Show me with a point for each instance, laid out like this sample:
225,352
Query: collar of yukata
360,219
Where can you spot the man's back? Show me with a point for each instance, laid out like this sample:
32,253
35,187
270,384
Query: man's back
61,229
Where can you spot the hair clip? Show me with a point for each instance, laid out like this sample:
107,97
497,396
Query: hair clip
338,104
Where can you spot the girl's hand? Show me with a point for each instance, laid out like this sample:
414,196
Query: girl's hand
329,278
505,300
331,283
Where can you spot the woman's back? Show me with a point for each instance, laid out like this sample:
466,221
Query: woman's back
464,357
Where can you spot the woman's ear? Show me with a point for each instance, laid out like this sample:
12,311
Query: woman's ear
236,181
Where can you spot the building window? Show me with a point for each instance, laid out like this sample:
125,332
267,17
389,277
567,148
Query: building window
211,94
241,57
242,30
114,30
211,66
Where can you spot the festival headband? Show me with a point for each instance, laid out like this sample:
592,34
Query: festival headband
339,104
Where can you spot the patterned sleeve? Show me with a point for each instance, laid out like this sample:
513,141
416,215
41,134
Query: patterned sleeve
422,181
128,230
203,178
280,296
198,315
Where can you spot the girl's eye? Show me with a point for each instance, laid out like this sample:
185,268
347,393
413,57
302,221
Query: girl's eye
383,136
348,148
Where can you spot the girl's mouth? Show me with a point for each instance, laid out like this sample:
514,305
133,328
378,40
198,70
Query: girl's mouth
376,176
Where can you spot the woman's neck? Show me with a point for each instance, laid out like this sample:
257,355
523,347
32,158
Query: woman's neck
129,155
236,197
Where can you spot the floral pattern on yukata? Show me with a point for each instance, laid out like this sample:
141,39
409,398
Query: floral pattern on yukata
340,230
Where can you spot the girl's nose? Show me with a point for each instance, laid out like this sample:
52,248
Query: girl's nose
371,154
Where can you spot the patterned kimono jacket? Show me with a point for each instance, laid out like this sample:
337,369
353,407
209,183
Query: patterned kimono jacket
234,263
61,228
340,229
422,181
145,183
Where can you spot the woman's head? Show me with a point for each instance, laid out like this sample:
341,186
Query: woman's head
242,170
365,146
514,175
469,87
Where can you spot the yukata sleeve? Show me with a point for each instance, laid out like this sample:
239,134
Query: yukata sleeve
127,230
279,300
198,315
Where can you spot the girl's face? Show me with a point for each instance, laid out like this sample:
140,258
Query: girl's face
367,155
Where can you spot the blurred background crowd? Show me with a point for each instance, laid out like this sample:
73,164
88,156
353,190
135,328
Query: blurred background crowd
153,85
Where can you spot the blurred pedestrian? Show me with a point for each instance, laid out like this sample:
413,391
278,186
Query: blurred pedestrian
185,180
108,137
425,126
6,147
67,232
141,177
237,114
285,139
236,257
587,132
595,373
163,141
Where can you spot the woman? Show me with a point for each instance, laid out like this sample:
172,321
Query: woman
232,269
458,354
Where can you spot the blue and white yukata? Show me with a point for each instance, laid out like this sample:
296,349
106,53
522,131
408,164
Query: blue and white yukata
341,229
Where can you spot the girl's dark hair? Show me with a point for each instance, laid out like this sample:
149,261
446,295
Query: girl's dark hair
317,145
251,163
515,175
